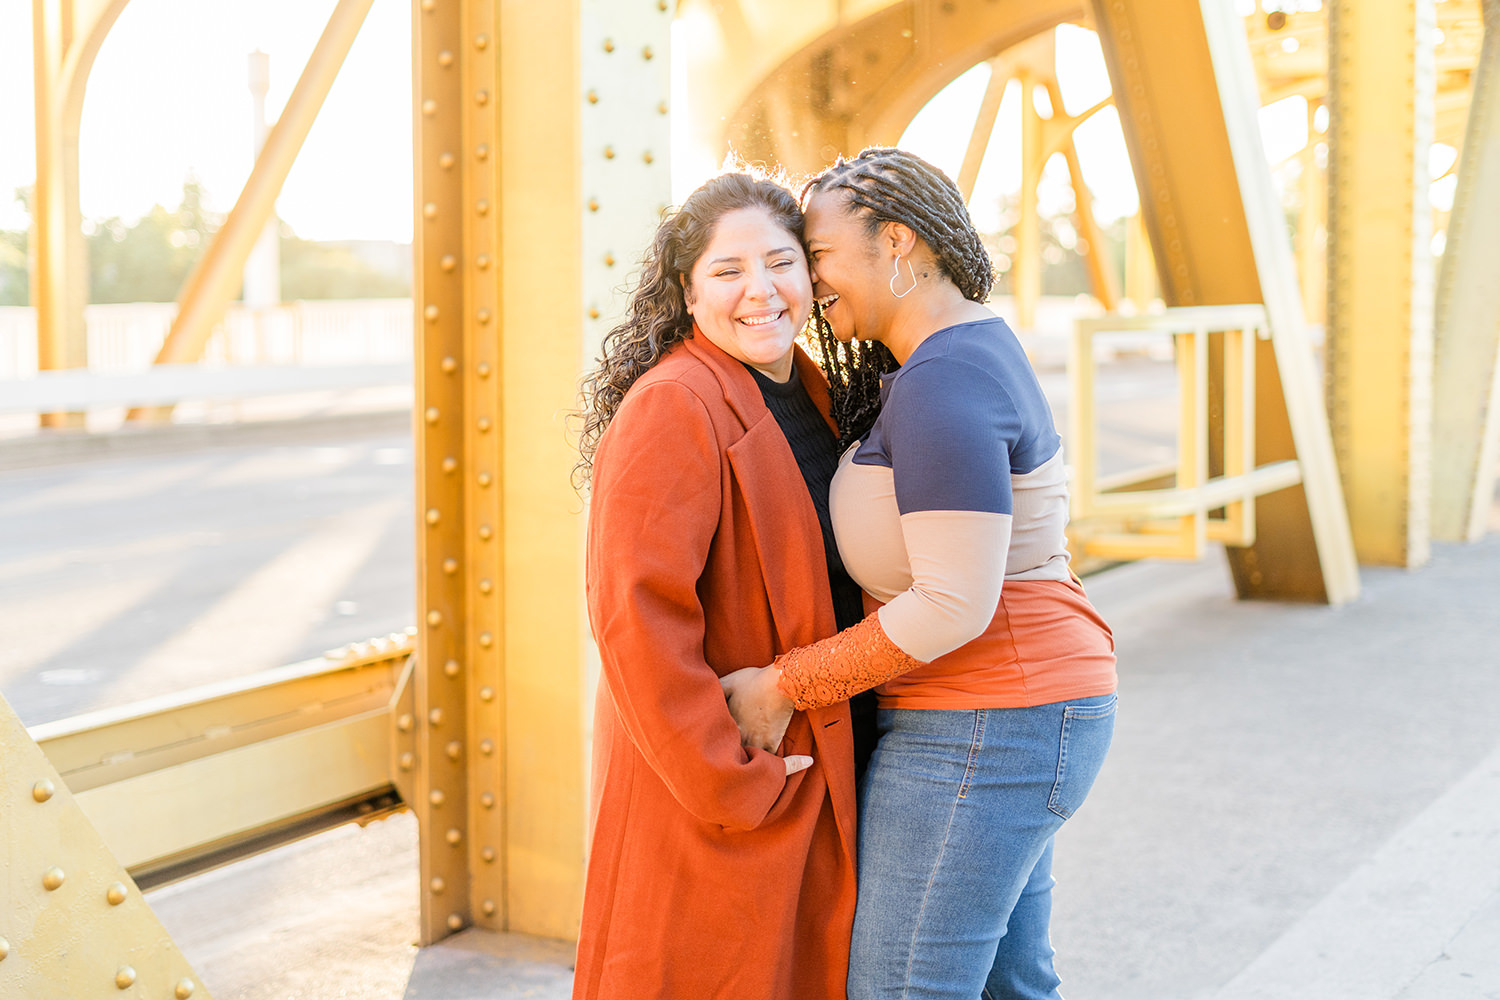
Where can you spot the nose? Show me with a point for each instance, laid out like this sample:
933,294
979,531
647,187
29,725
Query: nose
759,284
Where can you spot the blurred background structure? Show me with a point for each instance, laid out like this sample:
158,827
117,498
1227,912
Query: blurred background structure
1244,244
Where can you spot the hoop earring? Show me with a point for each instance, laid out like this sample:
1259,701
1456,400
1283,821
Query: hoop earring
910,270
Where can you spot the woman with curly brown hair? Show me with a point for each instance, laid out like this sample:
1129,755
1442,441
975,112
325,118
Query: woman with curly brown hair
716,870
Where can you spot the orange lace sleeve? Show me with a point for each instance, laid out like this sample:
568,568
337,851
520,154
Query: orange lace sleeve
833,669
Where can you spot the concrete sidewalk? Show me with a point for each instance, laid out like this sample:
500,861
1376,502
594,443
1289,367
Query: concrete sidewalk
1302,802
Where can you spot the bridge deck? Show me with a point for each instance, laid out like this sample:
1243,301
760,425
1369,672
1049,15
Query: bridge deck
1302,802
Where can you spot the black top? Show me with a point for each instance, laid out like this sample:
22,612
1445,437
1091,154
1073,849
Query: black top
816,450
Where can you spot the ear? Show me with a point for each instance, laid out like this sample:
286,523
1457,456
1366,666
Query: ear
687,293
899,237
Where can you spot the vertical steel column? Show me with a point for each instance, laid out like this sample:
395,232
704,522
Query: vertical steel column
1186,92
446,156
66,35
542,165
1380,276
1466,373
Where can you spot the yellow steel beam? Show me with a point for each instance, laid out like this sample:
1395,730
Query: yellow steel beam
74,924
1186,92
541,163
984,127
1379,357
218,273
1466,419
66,36
183,782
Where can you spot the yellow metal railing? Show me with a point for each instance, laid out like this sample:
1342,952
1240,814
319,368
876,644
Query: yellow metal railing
1209,493
186,782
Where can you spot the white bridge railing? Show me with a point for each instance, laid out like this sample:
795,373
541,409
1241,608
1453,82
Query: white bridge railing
296,347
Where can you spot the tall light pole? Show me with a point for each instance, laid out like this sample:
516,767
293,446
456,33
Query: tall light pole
263,269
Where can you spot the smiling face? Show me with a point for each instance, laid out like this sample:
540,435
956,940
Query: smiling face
850,277
749,291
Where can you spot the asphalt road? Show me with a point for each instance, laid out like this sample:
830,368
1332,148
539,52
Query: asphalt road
139,574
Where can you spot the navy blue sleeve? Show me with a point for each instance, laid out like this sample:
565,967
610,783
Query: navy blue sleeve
950,428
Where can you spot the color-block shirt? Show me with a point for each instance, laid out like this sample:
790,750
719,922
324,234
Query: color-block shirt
952,514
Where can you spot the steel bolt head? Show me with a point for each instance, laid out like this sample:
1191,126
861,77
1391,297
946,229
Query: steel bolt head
52,879
43,790
116,893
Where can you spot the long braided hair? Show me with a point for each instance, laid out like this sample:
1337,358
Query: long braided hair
656,317
891,185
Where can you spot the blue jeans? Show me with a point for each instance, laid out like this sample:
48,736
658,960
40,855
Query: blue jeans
957,817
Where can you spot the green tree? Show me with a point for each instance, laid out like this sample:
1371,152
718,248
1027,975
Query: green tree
149,260
15,279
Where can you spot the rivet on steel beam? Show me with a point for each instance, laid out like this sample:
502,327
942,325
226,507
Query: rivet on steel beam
485,586
450,465
661,108
449,262
482,98
593,204
661,4
433,516
488,855
593,313
485,532
455,922
593,97
435,796
488,906
437,884
450,565
487,800
445,58
486,693
481,42
609,260
431,312
483,424
435,716
482,151
431,414
125,978
446,161
483,371
484,479
609,45
404,722
609,152
408,761
183,989
486,747
483,208
451,668
4,948
483,316
482,261
454,835
454,749
116,893
429,107
428,5
52,879
486,640
646,53
449,366
647,157
434,617
429,210
42,790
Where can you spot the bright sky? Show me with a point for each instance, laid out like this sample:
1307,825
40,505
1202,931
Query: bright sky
169,97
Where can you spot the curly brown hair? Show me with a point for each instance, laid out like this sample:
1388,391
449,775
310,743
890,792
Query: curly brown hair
656,317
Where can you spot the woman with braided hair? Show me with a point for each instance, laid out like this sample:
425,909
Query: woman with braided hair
995,677
715,870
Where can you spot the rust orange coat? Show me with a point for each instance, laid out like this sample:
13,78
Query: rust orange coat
711,873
